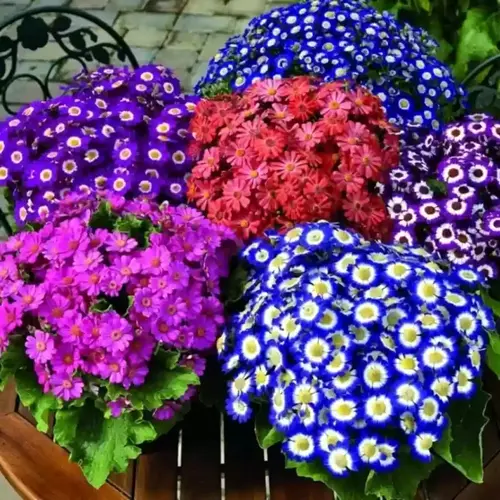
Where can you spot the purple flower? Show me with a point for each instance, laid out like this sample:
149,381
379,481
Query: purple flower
117,407
144,302
40,347
117,333
173,310
167,411
66,387
136,375
155,260
120,242
31,296
93,282
10,316
66,359
53,307
87,261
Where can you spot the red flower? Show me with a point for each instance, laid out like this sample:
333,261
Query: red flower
290,151
236,195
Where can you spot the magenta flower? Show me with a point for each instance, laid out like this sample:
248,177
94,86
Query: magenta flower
94,361
127,266
178,274
31,296
10,316
40,347
93,282
155,260
173,311
195,363
8,269
117,407
163,332
141,348
87,261
144,302
31,248
117,333
66,359
66,387
71,328
115,370
114,283
53,308
120,242
43,376
167,411
204,334
4,341
135,375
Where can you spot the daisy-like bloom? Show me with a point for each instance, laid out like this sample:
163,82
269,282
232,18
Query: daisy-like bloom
284,159
351,343
451,181
96,125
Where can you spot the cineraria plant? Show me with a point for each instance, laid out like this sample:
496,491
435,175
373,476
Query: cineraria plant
107,313
365,359
445,193
338,39
117,129
293,150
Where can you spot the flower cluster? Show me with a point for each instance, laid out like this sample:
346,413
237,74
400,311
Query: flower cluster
445,194
357,347
338,39
122,130
293,150
96,295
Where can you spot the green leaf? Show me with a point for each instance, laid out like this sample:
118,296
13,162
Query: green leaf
475,42
12,360
437,186
402,483
169,359
461,445
101,306
351,487
100,445
136,228
31,395
493,353
424,5
266,434
162,384
492,303
103,217
232,287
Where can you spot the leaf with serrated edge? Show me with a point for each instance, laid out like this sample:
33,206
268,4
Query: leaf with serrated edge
266,434
461,444
351,487
100,445
402,483
32,397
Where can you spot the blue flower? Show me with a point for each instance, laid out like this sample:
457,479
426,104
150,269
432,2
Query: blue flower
344,39
358,348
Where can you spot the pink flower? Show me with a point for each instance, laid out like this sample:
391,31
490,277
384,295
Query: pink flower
93,282
135,375
40,347
167,411
117,407
8,269
141,348
178,276
120,242
115,370
31,296
11,316
4,341
31,248
53,308
126,266
114,283
144,302
66,359
66,387
71,328
98,238
117,333
173,311
155,260
95,362
43,376
86,261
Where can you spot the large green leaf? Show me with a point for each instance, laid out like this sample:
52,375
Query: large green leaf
402,483
100,445
492,303
31,395
266,434
475,43
12,360
351,487
493,353
461,445
161,385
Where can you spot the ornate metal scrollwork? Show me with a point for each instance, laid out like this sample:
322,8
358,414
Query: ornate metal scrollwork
485,97
80,44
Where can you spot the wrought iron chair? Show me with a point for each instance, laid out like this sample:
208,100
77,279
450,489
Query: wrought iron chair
80,44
